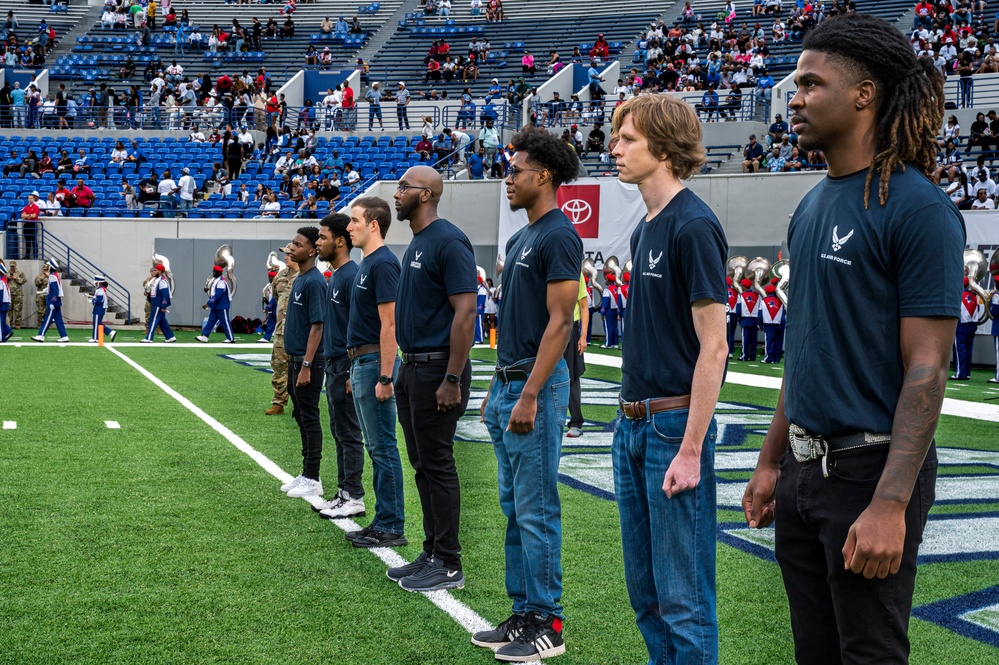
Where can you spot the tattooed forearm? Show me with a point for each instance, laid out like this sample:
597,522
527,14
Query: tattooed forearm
915,423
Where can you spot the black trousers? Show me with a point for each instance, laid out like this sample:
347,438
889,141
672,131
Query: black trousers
838,616
430,445
305,403
576,368
345,428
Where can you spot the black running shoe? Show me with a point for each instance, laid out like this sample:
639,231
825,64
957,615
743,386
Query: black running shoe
376,538
503,634
434,577
541,638
396,574
354,535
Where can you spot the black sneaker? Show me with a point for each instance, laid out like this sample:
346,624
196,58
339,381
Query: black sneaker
396,574
541,638
354,535
434,577
376,538
503,634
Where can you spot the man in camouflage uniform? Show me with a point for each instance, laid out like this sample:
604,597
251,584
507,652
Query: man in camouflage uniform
15,280
41,284
279,358
146,285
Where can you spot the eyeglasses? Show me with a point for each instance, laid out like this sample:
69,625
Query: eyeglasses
403,188
514,171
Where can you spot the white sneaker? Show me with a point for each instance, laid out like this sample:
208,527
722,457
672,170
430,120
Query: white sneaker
228,341
92,341
171,340
38,338
346,507
63,339
264,341
306,487
291,483
114,333
146,341
202,338
320,506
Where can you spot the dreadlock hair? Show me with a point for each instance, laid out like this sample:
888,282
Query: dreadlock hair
909,94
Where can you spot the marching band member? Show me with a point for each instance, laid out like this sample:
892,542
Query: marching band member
972,309
732,315
623,299
749,319
994,312
481,296
593,307
270,307
219,295
159,298
100,303
5,330
773,315
53,302
609,309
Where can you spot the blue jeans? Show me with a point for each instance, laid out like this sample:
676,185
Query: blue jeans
378,421
669,544
528,492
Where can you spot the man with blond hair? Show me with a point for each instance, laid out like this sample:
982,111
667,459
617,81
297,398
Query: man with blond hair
663,449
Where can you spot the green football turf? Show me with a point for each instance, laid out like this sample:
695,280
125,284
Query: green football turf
160,542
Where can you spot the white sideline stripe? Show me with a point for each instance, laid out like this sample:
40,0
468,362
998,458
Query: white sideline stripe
951,407
112,424
463,615
10,424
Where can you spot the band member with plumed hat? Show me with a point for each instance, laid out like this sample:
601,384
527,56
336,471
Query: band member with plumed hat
100,303
219,299
53,303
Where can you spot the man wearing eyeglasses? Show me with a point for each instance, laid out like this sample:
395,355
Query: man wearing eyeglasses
434,316
527,402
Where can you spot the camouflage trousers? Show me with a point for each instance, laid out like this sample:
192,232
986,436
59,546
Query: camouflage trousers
16,306
148,309
40,304
279,363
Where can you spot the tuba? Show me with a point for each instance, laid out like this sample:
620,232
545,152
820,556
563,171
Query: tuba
782,271
589,269
994,270
974,270
159,258
759,271
224,259
612,265
480,272
736,269
274,263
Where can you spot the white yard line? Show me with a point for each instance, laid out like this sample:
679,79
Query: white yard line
112,424
10,424
951,407
463,615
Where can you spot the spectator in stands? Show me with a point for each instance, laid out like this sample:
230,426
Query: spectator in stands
489,141
355,26
962,192
424,148
951,131
288,28
794,162
494,11
374,99
777,129
402,99
185,192
595,140
148,189
352,177
342,27
979,135
108,19
476,7
270,206
444,7
601,49
326,27
983,181
752,155
80,164
309,208
118,156
774,163
311,55
477,164
82,196
709,103
949,162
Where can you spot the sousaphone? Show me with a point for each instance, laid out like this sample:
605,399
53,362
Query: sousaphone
736,269
759,271
165,262
225,260
782,271
974,270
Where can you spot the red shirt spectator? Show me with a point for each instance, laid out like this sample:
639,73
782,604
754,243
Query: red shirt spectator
443,50
348,98
223,84
31,211
63,196
601,49
82,195
272,105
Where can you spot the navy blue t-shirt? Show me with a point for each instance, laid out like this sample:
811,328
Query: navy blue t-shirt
305,307
854,273
678,258
338,310
375,283
438,263
549,250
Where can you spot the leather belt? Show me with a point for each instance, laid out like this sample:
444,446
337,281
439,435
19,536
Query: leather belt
516,372
638,410
299,359
364,349
408,358
807,447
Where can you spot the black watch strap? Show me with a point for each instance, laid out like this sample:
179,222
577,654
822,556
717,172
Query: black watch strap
384,379
452,378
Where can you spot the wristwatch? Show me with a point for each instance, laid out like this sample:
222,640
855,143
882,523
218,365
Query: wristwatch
384,380
306,363
452,378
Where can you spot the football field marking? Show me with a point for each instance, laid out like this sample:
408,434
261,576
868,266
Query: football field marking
463,615
112,424
10,424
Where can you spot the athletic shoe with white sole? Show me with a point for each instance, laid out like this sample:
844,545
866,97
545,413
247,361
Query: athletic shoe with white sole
574,433
228,341
114,333
542,638
63,339
319,506
399,572
92,341
376,538
202,339
264,341
291,483
994,380
347,506
38,338
171,340
360,533
306,487
434,577
503,634
146,341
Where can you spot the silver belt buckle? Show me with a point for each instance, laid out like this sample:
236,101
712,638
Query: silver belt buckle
806,448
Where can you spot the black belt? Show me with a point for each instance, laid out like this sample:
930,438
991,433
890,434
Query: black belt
300,359
364,349
516,372
408,358
807,447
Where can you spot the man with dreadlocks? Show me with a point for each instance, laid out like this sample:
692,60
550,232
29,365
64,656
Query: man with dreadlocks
848,466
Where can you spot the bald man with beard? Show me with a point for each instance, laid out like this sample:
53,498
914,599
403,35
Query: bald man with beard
435,315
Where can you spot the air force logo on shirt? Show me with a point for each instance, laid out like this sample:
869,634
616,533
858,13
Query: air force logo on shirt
298,296
336,296
523,257
653,262
360,284
416,264
837,244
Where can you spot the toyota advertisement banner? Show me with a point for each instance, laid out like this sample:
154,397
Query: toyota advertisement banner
603,211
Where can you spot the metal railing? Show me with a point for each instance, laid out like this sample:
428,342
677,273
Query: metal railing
78,267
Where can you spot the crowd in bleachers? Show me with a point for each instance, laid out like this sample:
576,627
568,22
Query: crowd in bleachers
780,152
26,52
